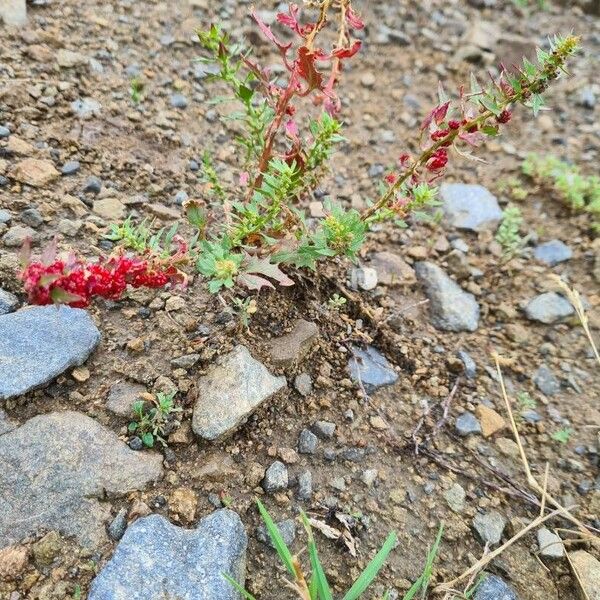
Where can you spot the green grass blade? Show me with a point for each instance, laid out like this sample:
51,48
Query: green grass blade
422,582
318,574
282,550
368,575
238,587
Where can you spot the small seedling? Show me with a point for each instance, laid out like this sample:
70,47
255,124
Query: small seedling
136,89
336,302
525,401
150,421
508,235
562,435
245,308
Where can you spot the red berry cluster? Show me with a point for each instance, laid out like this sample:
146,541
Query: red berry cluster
75,282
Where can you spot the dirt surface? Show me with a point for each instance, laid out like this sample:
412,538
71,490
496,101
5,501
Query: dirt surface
142,155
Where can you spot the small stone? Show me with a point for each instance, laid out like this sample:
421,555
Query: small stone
364,278
179,101
548,308
489,526
32,217
369,476
80,374
467,423
494,588
324,429
122,396
185,362
307,442
546,381
184,503
293,347
550,544
392,270
276,478
13,561
353,454
552,252
35,172
111,209
47,549
450,307
305,489
370,368
469,364
93,185
174,303
491,421
135,443
68,59
455,497
368,80
470,207
70,167
378,423
286,528
118,525
4,132
587,569
85,108
8,302
302,383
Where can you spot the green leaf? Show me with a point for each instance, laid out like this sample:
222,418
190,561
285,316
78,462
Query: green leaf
536,103
132,426
322,585
280,546
245,93
422,582
238,587
372,569
148,440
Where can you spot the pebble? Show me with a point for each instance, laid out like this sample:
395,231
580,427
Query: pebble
307,442
471,207
305,486
293,347
546,381
118,525
491,421
35,172
392,269
548,308
455,497
370,368
467,423
286,528
85,108
179,101
469,364
276,478
4,132
364,278
553,252
32,217
368,80
494,588
489,526
550,544
588,573
70,167
324,429
303,384
8,302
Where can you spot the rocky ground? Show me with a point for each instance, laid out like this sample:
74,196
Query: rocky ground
384,414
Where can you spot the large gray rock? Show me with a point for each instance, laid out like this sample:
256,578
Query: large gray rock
470,207
450,307
37,344
230,392
56,467
548,308
156,560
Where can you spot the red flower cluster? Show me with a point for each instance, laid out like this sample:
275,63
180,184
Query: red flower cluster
75,282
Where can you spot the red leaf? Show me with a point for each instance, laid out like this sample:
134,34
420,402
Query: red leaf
283,48
349,51
305,67
473,139
290,20
438,114
353,19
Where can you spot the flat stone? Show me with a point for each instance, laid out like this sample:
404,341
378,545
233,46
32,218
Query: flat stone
469,364
13,561
470,207
307,442
550,544
553,252
303,384
286,528
38,344
305,486
491,421
548,308
276,478
370,368
489,526
455,497
293,347
588,573
111,209
450,307
70,167
230,392
13,12
494,588
392,269
8,302
546,381
35,172
122,396
186,361
467,423
67,59
16,236
155,558
85,108
324,429
56,467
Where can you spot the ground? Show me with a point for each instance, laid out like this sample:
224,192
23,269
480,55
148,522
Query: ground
142,154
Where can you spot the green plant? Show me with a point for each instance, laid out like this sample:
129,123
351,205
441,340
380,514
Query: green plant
581,193
508,232
245,308
136,89
562,435
336,302
525,401
152,418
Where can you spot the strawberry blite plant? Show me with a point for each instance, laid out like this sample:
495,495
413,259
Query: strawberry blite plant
254,233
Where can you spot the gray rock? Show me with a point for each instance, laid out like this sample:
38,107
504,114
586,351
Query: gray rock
276,478
93,185
156,559
85,108
324,429
353,454
303,384
392,270
587,98
470,207
70,167
4,132
6,423
371,368
185,362
548,308
13,12
286,528
230,392
489,526
450,307
467,423
364,278
552,252
179,101
307,442
56,467
546,381
469,363
37,344
118,525
550,544
587,568
494,588
291,348
15,237
8,302
305,486
455,497
32,217
5,216
121,397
